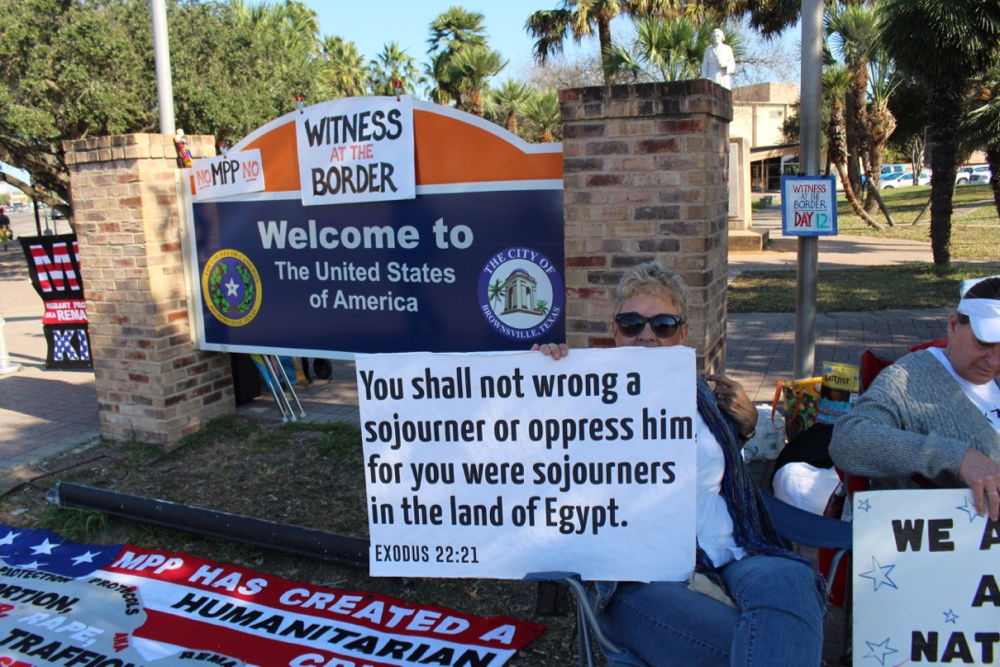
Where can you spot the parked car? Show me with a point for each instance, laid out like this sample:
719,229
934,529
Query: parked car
892,169
965,174
900,179
981,176
924,178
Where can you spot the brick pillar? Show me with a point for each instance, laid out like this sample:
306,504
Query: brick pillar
645,179
152,384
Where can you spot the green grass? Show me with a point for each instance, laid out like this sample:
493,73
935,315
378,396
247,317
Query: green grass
74,524
975,237
975,226
907,286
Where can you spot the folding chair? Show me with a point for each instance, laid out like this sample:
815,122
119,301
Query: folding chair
794,524
832,535
586,622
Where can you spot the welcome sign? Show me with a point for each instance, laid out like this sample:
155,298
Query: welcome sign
472,261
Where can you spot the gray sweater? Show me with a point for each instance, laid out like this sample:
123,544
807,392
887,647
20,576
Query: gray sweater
914,418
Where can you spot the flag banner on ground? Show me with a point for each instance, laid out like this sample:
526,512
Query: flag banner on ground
63,603
925,579
54,269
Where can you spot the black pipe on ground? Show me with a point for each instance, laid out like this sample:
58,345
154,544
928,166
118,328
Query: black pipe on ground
341,549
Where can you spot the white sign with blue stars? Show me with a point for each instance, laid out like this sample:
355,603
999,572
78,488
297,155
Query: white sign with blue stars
926,579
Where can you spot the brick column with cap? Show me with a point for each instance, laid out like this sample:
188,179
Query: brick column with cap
645,179
152,384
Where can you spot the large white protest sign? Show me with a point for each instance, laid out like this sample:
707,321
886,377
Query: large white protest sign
235,173
356,149
499,465
925,579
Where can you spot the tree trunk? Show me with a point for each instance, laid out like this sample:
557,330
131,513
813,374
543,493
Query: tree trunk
604,38
853,200
922,213
874,194
993,158
944,111
853,169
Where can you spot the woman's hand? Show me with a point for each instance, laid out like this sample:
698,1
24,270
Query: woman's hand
733,400
553,350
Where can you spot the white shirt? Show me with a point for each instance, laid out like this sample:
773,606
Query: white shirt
714,525
985,396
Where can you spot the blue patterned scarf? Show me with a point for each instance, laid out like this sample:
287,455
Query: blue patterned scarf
752,527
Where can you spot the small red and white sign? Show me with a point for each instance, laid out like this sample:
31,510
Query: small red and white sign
235,173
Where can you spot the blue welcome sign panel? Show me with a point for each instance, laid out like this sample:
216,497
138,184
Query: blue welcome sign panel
471,259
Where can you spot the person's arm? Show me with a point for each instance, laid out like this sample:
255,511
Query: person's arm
880,438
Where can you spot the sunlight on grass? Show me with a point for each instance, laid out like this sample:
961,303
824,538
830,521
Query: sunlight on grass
975,230
864,288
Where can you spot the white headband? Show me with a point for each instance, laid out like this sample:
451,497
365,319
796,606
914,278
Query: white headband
984,316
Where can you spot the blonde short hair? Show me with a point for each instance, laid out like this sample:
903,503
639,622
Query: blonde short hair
654,278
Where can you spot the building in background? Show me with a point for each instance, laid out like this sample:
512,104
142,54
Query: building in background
759,111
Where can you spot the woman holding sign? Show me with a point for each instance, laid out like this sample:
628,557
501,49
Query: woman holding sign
932,419
749,601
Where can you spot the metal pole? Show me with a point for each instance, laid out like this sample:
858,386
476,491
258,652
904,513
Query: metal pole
6,366
811,87
161,51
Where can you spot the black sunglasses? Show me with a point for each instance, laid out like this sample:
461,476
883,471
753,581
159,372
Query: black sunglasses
663,325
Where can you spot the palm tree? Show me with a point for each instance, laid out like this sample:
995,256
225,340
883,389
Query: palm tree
496,291
836,83
670,50
947,44
452,32
768,17
393,65
582,18
507,101
981,126
471,67
345,73
853,30
456,28
291,28
542,111
883,81
542,306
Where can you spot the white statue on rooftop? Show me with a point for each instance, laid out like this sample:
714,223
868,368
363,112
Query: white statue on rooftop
719,63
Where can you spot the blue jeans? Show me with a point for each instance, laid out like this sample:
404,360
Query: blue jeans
779,622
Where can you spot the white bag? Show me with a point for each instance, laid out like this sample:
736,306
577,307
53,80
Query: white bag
767,443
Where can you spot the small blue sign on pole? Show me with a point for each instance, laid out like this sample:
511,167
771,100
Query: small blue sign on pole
808,206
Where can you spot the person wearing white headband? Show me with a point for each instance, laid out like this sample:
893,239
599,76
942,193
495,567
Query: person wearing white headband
932,419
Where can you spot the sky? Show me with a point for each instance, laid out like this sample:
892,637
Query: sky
372,23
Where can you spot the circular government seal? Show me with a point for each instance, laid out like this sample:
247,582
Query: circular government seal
521,293
231,287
